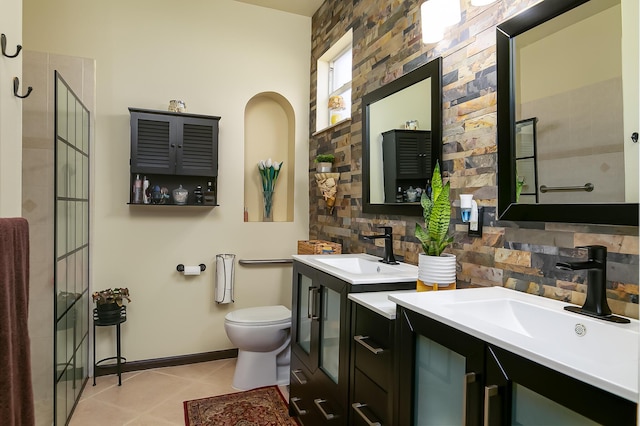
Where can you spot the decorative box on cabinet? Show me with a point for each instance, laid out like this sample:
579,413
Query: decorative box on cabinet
449,377
409,158
321,344
173,149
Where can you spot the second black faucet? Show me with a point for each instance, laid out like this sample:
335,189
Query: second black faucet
388,244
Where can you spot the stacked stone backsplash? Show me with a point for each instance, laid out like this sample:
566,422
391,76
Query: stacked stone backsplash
387,44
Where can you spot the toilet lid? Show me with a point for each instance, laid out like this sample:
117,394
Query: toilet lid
260,314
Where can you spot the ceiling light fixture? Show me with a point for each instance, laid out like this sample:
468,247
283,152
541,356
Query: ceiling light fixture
435,16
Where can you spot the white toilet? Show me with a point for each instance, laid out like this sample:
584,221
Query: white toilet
263,337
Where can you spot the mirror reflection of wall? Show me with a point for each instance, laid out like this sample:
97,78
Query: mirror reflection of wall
569,76
526,170
392,112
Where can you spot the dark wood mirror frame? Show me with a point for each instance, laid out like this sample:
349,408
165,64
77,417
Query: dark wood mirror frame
508,209
433,70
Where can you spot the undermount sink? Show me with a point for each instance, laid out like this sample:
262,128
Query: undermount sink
360,268
598,352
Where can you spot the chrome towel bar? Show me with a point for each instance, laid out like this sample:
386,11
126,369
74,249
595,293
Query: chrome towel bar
586,187
251,262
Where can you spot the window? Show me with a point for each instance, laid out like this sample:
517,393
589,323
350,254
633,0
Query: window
334,83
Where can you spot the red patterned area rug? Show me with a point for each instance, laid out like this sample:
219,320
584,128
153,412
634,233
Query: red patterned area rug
256,407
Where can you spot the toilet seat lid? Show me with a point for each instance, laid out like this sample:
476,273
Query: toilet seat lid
260,315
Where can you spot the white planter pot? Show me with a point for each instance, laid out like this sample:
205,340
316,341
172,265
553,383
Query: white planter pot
437,271
323,167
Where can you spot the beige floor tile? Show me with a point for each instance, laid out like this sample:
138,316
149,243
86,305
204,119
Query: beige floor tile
153,397
143,391
98,413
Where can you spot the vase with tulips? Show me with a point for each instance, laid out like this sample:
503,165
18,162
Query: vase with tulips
269,171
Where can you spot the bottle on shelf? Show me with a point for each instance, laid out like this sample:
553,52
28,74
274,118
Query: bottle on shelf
210,195
399,195
199,196
146,191
137,190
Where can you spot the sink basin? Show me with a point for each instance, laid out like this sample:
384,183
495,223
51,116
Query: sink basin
597,352
360,268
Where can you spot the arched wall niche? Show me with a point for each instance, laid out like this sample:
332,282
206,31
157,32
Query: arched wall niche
269,129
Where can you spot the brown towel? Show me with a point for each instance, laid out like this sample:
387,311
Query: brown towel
16,393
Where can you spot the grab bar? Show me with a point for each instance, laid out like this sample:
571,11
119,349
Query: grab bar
586,187
250,262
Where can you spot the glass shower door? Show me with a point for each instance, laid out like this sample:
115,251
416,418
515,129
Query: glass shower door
71,236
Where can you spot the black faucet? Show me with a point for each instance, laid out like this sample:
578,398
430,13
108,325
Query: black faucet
596,304
388,244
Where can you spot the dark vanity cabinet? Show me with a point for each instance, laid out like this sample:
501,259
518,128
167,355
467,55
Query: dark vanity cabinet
372,367
407,158
173,149
449,377
319,361
321,345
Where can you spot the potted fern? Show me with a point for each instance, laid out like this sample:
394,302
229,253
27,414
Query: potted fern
436,270
324,162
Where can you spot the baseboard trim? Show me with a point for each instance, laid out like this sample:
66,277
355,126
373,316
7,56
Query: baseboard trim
146,364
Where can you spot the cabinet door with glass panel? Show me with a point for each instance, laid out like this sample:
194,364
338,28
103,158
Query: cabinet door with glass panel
318,338
441,375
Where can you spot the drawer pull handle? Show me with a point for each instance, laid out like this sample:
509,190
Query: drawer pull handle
356,406
361,340
489,393
295,374
294,401
319,403
468,379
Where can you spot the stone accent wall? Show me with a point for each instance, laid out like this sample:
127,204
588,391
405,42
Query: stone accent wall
387,44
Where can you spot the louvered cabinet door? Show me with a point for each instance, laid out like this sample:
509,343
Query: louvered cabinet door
197,147
152,144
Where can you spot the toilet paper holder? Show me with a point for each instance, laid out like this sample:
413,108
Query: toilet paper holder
180,267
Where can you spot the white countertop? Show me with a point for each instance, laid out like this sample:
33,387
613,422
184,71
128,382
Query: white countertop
539,329
360,268
378,301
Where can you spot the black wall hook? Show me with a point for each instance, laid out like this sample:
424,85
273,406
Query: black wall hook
3,44
634,137
16,84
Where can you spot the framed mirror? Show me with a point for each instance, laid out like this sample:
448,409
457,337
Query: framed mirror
402,140
564,82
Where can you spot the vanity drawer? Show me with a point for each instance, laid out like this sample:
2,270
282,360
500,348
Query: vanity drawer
372,343
300,400
371,403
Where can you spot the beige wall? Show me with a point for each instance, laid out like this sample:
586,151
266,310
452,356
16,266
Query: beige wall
11,112
215,56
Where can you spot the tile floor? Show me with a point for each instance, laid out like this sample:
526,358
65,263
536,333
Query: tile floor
152,397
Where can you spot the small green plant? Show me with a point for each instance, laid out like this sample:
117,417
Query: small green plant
437,215
325,158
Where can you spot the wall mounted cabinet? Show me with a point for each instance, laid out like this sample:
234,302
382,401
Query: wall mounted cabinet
173,149
407,158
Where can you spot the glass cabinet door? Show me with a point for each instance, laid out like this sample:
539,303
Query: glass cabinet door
531,408
439,379
304,314
330,333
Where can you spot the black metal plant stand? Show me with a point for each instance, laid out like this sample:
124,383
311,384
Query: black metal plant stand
112,317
